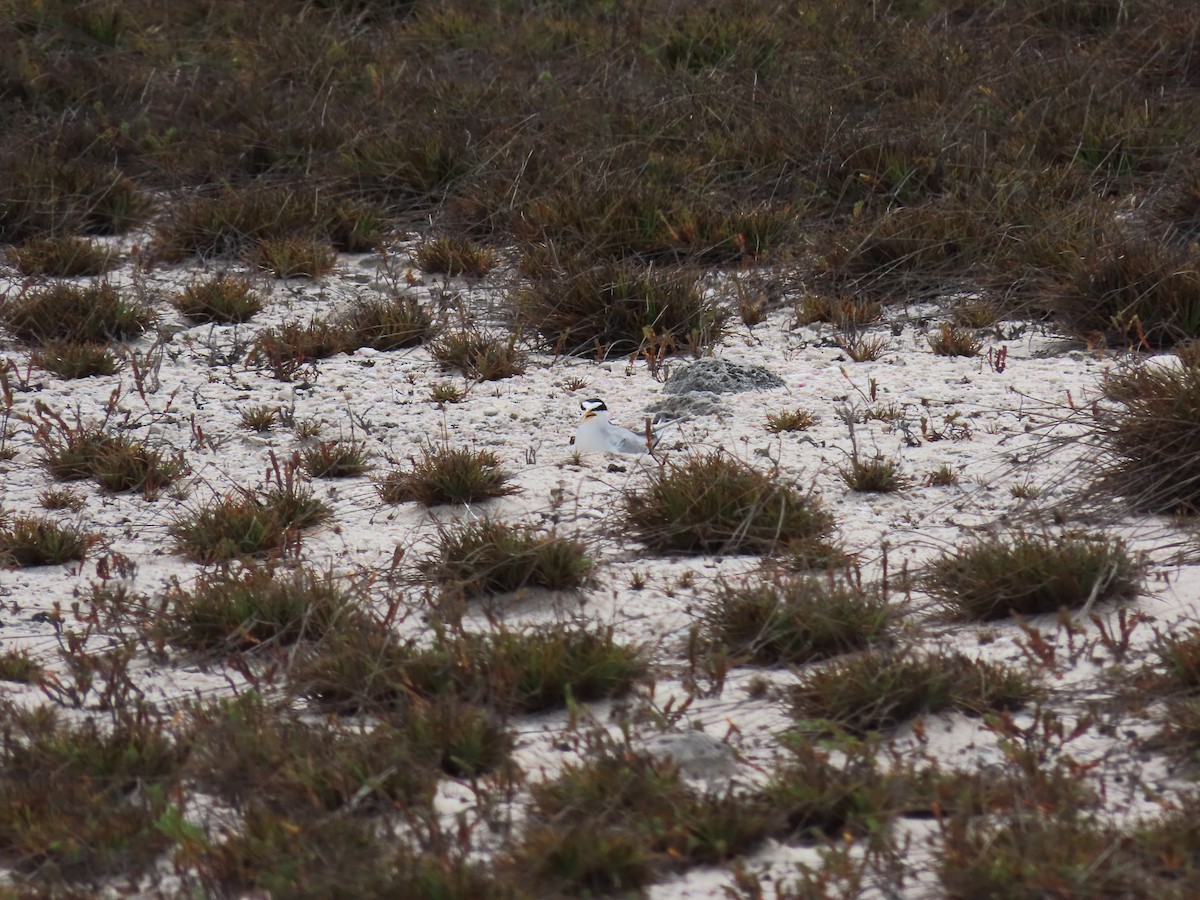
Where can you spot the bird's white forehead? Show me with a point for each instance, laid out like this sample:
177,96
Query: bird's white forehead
592,405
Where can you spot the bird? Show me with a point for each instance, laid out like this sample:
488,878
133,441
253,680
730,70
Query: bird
597,435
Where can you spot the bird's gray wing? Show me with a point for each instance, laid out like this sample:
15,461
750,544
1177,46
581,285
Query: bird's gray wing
631,442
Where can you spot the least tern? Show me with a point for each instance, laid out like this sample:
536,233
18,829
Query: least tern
597,435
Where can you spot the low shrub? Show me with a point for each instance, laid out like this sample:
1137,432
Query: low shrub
711,502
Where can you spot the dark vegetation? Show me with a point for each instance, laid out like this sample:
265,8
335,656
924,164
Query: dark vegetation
1028,574
914,145
446,473
773,619
715,503
1148,437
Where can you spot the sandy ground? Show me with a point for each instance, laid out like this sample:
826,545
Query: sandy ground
1021,428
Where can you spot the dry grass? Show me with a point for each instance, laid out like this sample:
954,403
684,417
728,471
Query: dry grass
1149,440
1032,574
714,503
447,474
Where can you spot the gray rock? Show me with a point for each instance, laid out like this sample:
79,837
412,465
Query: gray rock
720,376
684,406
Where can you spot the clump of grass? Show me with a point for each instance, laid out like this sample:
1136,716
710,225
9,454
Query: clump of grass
793,619
1175,675
334,459
245,523
447,474
461,738
40,541
117,463
819,798
71,359
1178,660
646,820
388,324
70,453
455,255
125,464
1126,289
847,313
1150,441
614,309
977,312
291,347
447,392
296,256
224,300
83,802
861,347
260,417
288,855
283,854
267,757
907,241
881,689
790,420
95,313
1032,574
489,556
19,667
877,475
1072,852
230,610
304,429
1180,732
643,818
60,498
584,860
60,257
366,669
547,667
277,224
943,476
713,503
58,191
951,340
478,355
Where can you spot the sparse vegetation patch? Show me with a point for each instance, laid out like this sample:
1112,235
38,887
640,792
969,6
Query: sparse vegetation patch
224,300
713,503
476,354
1032,574
447,474
233,610
786,619
388,324
61,257
95,313
883,688
491,556
1149,439
81,802
42,541
614,309
245,523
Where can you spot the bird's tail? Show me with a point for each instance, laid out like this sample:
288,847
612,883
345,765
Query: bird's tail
655,435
